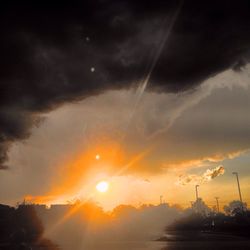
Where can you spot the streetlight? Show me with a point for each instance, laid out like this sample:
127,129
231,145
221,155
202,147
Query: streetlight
238,183
217,202
196,191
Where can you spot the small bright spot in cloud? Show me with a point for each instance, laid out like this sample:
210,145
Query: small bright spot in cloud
92,69
102,186
97,157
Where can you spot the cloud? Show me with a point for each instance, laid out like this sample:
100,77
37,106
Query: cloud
200,179
48,51
212,173
205,161
182,102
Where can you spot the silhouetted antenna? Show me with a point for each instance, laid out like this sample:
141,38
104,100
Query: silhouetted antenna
217,203
196,191
161,199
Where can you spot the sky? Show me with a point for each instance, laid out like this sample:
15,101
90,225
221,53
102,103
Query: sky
159,90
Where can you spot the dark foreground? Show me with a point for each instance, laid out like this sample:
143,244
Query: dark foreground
204,241
21,228
171,245
173,241
208,245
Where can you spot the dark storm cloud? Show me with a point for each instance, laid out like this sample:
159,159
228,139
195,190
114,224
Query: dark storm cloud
48,49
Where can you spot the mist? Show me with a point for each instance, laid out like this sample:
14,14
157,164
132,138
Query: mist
87,226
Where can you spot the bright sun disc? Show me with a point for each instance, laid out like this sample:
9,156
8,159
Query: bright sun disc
102,186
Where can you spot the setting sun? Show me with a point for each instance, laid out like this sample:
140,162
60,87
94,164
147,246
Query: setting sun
102,186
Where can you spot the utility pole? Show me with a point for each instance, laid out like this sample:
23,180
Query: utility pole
196,192
238,183
217,203
161,199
